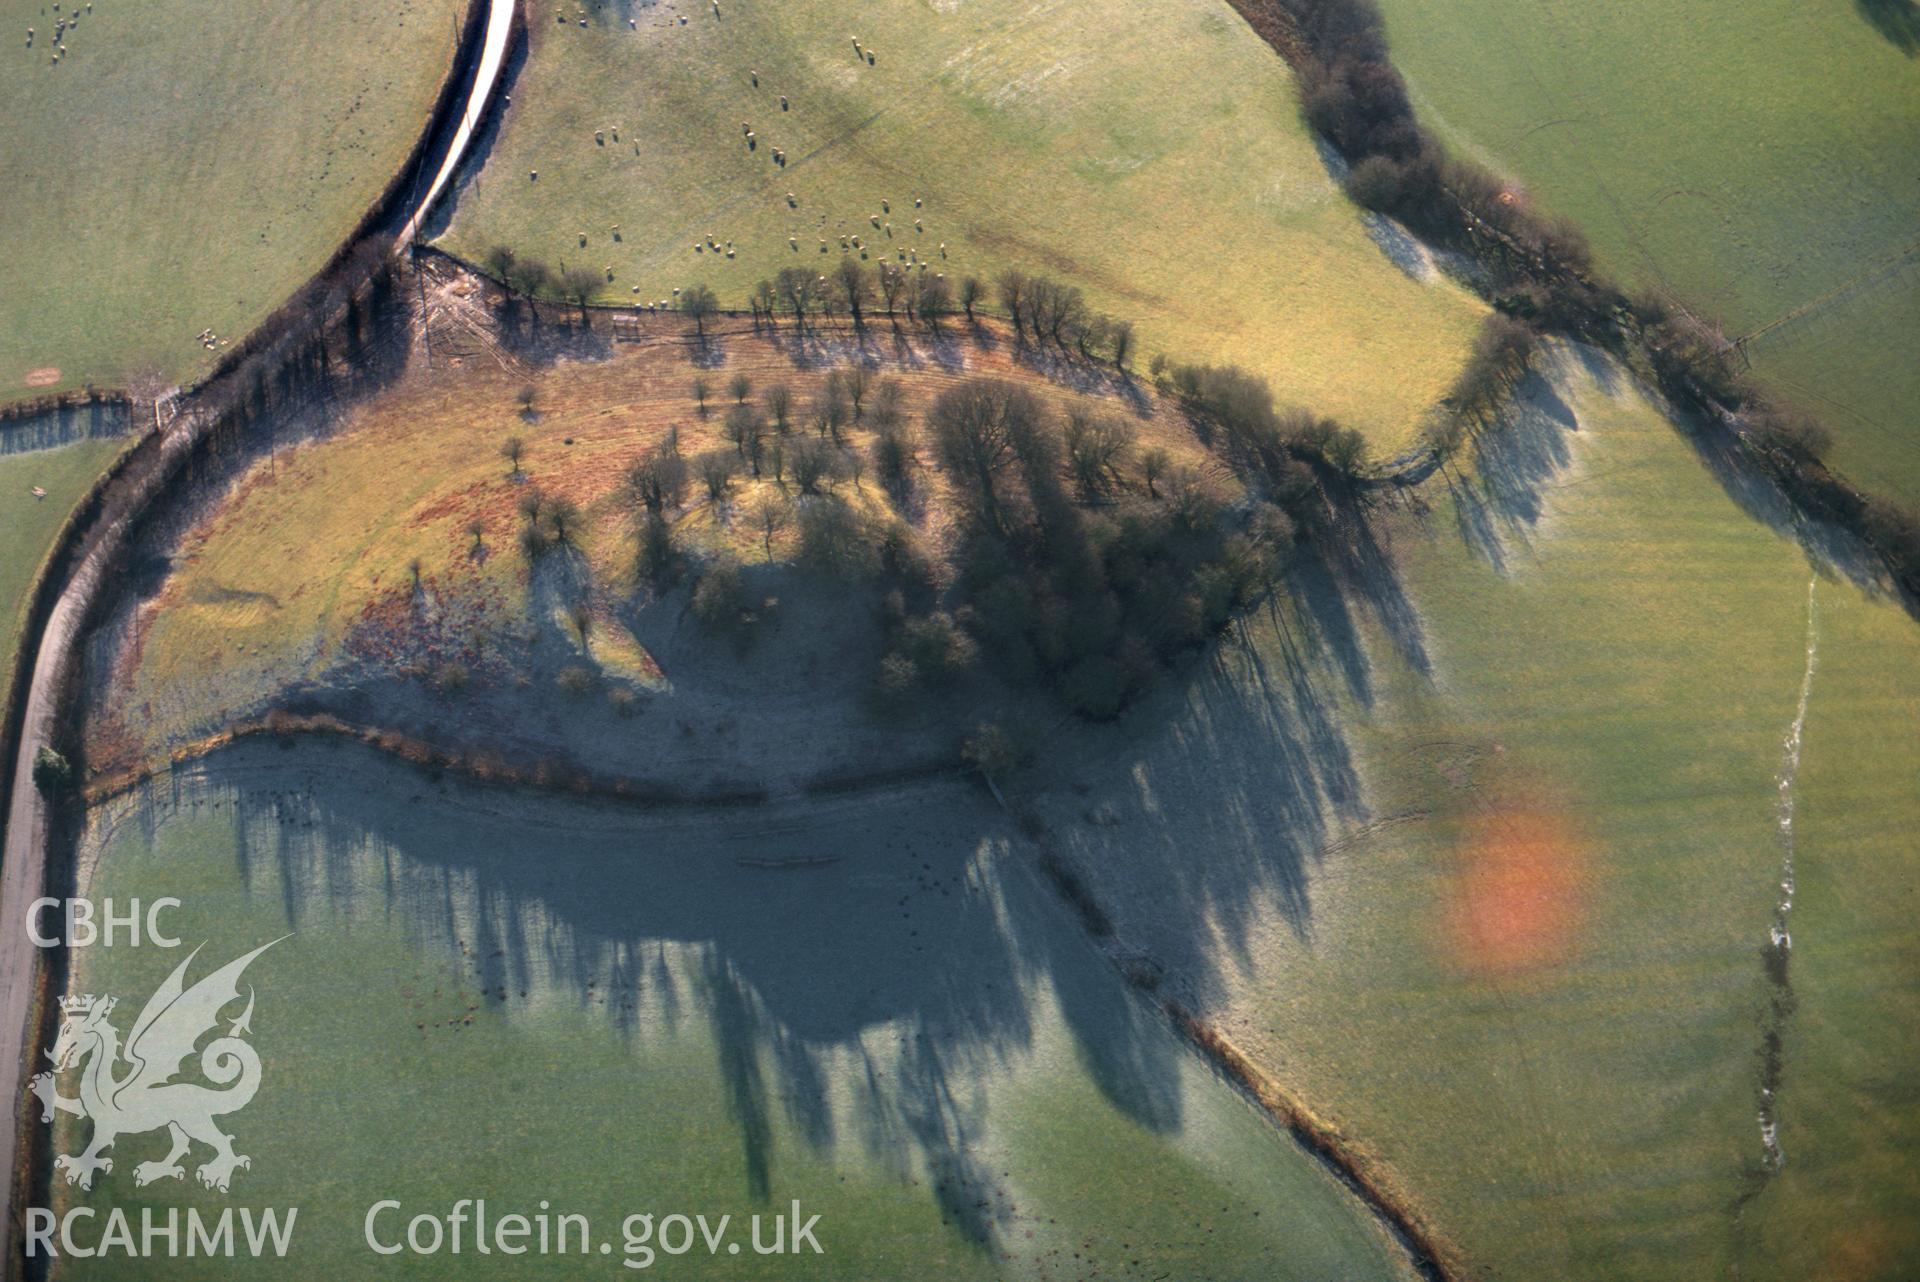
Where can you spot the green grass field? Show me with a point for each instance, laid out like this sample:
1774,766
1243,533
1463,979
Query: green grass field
1490,869
28,525
1752,158
1151,154
186,166
620,1014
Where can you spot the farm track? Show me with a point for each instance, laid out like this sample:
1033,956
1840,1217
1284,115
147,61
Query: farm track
94,551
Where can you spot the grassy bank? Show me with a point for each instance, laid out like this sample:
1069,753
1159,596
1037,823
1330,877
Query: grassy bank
305,573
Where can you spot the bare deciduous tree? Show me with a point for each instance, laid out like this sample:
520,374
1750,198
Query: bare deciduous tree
1012,286
580,284
771,511
854,381
1097,448
811,463
935,299
977,427
799,289
698,302
716,473
744,427
780,407
763,299
893,283
1153,466
499,262
855,287
659,479
563,518
886,410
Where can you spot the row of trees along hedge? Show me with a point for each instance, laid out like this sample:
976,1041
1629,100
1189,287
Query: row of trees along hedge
1540,269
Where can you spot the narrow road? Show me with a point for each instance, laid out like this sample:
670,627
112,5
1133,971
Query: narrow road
486,74
23,866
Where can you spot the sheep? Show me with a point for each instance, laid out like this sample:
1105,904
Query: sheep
600,137
783,100
917,226
583,238
791,202
885,208
616,231
793,242
874,219
916,202
533,175
633,24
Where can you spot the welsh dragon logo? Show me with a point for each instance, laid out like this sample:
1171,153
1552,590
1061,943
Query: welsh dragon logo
146,1097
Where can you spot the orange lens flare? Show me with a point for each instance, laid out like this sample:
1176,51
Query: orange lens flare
1517,899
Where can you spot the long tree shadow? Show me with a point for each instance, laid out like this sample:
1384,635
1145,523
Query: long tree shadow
63,425
1829,548
1897,20
1516,459
890,952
